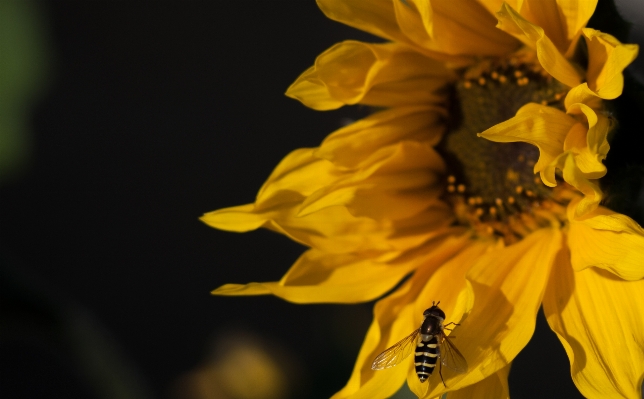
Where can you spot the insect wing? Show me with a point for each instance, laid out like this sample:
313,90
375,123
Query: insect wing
397,353
450,356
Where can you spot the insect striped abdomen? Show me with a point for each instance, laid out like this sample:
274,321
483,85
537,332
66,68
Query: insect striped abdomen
424,342
426,357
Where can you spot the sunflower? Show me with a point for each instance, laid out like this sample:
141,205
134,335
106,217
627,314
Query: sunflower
478,177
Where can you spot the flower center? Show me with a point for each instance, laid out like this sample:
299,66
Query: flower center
491,184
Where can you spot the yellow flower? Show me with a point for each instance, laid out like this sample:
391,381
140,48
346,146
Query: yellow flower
476,99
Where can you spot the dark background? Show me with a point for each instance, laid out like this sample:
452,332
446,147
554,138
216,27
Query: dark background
151,114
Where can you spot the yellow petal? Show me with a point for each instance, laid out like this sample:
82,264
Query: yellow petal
508,285
312,92
534,36
318,277
539,125
376,16
383,75
598,319
589,145
350,146
607,59
607,240
493,387
341,71
460,27
237,218
396,316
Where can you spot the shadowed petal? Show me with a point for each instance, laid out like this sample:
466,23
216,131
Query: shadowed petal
403,172
534,36
457,27
493,387
598,319
350,146
375,16
562,20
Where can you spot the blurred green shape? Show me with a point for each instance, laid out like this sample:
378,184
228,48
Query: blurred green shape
23,62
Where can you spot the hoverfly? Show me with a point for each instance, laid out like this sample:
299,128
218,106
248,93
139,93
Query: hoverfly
431,344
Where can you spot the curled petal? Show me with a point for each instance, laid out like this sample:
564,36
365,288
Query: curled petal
508,284
589,145
534,36
607,240
607,59
576,178
564,143
598,319
539,125
384,75
582,94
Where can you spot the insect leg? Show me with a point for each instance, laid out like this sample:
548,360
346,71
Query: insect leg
440,372
446,326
